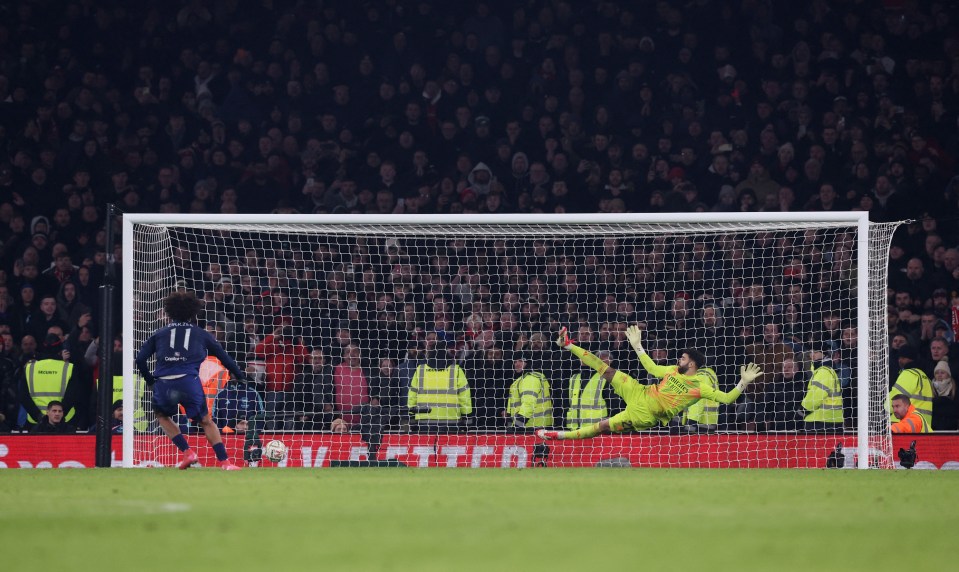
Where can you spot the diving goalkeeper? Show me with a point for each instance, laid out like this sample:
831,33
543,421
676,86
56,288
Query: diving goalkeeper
649,405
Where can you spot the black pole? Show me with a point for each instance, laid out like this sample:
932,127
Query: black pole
105,383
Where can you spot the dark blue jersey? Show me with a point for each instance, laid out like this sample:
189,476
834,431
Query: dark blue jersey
180,348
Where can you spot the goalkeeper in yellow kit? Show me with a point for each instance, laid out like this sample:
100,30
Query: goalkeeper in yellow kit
650,405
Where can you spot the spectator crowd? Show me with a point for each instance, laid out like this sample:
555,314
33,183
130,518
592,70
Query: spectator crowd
546,106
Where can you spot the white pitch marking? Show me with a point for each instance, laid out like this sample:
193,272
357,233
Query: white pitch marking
150,507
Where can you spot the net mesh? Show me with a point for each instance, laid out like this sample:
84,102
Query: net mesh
335,322
880,438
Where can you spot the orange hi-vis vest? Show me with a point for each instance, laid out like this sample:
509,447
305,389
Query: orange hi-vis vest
911,423
213,378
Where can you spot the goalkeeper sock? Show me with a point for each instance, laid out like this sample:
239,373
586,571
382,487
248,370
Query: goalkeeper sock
220,451
180,442
584,432
588,359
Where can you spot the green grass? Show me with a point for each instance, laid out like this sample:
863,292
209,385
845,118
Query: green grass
483,519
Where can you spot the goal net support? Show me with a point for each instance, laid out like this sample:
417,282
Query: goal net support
400,339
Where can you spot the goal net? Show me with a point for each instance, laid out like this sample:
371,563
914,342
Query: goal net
425,341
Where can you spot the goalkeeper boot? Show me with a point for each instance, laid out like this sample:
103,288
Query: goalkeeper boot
187,459
228,466
547,435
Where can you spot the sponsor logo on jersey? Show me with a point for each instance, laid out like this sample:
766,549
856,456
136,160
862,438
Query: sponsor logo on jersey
676,385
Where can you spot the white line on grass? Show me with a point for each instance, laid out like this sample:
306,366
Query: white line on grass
150,507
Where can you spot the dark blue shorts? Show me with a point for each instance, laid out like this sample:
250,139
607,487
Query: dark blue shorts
186,391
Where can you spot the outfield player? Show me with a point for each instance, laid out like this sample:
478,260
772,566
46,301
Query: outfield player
649,405
180,348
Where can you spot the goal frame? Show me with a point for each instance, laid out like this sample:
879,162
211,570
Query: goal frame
858,219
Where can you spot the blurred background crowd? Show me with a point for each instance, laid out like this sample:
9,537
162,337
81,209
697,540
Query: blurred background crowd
547,106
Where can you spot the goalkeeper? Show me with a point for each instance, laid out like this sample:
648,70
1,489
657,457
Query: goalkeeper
649,405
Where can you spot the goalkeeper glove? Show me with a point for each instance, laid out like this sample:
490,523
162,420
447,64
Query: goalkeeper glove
748,374
563,340
635,337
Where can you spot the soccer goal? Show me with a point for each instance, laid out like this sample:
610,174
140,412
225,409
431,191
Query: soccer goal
427,340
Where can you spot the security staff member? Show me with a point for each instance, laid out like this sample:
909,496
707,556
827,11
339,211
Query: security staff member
49,378
586,402
822,405
914,384
140,422
529,403
703,415
441,386
909,420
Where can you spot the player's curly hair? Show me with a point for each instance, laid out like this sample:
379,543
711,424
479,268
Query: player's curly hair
695,355
182,306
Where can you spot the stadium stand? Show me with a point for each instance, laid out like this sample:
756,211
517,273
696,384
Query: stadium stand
447,107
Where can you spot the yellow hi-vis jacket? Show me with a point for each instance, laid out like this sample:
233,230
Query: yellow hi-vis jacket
823,398
586,403
704,411
529,396
445,391
47,381
140,422
915,384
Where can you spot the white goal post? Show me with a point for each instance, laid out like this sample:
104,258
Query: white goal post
488,286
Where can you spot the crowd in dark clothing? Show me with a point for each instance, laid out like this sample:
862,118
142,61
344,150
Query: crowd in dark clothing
287,106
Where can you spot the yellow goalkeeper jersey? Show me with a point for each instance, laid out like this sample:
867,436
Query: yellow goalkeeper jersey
675,391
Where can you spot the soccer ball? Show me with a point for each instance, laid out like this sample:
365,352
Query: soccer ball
275,451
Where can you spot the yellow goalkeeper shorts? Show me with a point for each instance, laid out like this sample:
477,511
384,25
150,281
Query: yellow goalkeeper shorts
628,388
637,415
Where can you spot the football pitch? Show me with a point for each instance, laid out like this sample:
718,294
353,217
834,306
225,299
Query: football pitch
478,519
